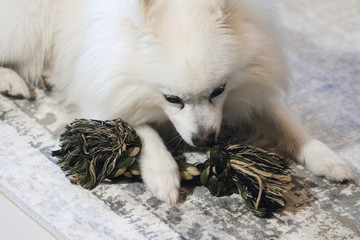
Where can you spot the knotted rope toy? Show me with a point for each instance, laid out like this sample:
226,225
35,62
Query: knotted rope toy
93,150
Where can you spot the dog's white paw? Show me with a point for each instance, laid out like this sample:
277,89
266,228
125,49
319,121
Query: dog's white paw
12,84
162,177
322,161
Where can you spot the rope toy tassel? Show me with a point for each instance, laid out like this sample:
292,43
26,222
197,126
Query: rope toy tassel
260,177
93,150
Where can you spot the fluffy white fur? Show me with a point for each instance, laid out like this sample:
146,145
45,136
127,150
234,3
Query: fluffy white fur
118,58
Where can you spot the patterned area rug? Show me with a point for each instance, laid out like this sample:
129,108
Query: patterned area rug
322,40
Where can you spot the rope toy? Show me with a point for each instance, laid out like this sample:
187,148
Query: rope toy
93,150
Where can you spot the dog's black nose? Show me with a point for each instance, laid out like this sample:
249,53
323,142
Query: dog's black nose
204,139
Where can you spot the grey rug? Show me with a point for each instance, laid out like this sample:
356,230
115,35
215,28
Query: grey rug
322,40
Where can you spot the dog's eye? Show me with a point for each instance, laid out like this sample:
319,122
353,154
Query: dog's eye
173,99
217,91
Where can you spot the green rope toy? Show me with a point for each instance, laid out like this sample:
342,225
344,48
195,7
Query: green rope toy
93,150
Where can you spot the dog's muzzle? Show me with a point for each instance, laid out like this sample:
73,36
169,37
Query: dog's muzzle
204,139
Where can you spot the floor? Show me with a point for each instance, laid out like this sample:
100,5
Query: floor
14,218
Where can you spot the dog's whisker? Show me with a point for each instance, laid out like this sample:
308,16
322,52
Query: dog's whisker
173,139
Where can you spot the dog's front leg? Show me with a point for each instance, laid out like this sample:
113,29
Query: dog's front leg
158,168
286,136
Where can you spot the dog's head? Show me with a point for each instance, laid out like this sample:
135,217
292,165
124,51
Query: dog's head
192,60
194,52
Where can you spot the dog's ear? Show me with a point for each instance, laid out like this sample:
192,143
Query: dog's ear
217,6
219,9
150,8
146,5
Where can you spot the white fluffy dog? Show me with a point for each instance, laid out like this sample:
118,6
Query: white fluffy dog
205,65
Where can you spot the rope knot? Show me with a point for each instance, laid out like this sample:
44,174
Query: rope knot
215,176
